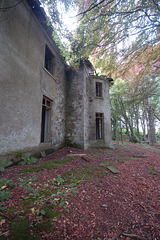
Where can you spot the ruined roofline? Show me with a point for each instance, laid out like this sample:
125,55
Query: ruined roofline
94,75
81,63
103,77
89,64
42,18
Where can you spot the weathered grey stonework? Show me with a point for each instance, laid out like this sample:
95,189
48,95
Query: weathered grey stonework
25,81
99,105
75,108
82,106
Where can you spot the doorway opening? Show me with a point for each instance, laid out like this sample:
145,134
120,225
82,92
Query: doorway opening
46,119
99,126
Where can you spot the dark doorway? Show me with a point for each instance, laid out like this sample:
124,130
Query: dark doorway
46,120
49,60
99,126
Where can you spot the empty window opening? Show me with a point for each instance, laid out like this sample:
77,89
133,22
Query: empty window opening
46,119
99,126
49,60
98,89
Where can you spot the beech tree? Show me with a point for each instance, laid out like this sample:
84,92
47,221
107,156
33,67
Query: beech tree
134,104
122,109
107,23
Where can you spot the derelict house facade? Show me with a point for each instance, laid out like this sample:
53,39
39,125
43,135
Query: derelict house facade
88,108
44,103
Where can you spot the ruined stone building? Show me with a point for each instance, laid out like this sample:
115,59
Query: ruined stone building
44,103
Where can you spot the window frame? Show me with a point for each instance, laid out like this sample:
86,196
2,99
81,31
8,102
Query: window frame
98,89
99,121
46,119
49,60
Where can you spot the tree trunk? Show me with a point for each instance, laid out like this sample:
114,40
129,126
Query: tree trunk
151,127
128,121
127,131
114,131
121,132
143,126
133,138
137,120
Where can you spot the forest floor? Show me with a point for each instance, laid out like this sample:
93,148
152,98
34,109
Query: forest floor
78,194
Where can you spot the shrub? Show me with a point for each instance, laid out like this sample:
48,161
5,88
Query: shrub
4,163
28,160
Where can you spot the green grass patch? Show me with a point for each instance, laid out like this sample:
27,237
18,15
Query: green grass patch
27,202
86,173
44,226
108,152
49,213
128,149
74,176
133,159
124,159
100,152
47,165
46,192
48,218
106,163
20,230
95,154
152,170
119,154
11,210
64,160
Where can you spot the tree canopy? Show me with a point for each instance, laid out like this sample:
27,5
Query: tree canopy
112,32
118,30
135,106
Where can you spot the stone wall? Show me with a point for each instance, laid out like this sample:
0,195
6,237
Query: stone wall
75,108
87,109
99,105
24,81
82,106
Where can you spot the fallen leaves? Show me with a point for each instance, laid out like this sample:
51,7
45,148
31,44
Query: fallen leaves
134,236
122,206
3,187
2,222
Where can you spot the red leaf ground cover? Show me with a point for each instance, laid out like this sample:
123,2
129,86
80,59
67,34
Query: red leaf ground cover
107,205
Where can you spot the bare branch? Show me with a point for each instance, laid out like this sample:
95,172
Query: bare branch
92,7
156,4
5,8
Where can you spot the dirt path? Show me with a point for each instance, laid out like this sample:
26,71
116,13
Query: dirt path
105,205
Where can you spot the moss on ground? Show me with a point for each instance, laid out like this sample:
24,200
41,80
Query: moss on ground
20,226
152,170
27,202
49,213
44,226
106,163
20,230
87,173
47,165
124,159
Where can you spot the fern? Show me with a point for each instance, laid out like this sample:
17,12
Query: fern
4,163
27,160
